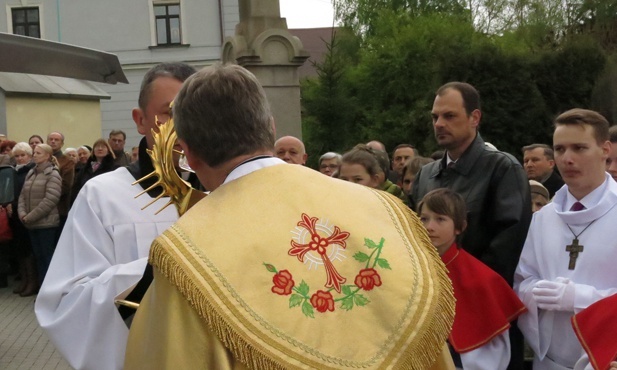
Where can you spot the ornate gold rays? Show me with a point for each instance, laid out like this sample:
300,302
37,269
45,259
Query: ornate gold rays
180,192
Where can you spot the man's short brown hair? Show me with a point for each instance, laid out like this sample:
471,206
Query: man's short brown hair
578,116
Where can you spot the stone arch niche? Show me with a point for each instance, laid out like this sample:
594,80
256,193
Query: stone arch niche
263,45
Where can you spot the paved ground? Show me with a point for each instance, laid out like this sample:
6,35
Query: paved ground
23,345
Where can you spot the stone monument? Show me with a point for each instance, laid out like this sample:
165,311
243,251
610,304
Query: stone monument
263,45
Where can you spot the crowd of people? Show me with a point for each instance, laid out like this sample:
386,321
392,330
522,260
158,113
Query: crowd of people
490,274
498,195
47,179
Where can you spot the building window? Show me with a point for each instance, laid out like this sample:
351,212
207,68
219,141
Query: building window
167,19
26,22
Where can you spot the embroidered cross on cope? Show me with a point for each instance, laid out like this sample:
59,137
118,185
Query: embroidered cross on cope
574,250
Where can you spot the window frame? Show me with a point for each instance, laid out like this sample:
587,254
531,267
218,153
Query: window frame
167,18
12,25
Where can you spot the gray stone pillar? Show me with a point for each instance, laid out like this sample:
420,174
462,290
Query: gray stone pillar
263,45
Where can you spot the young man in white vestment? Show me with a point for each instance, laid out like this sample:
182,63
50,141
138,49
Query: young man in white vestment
102,252
568,259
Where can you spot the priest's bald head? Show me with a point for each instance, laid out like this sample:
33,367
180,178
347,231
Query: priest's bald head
222,117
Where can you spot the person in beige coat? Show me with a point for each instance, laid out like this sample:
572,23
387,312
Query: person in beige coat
38,206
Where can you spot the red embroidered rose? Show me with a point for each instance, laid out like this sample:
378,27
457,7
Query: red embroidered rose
367,279
283,283
322,301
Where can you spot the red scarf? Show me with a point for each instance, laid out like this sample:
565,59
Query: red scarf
485,303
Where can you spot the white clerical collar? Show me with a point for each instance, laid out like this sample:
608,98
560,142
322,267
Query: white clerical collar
590,200
251,165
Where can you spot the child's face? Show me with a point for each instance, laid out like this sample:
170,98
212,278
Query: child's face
358,174
408,182
440,229
537,202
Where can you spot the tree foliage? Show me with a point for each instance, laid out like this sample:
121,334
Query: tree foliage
331,106
361,15
530,60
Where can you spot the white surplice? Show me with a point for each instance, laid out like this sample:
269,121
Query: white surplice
583,363
544,257
494,355
100,257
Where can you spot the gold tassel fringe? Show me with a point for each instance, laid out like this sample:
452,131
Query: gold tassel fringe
420,356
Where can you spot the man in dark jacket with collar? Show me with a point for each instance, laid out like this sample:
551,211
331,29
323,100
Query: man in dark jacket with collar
493,183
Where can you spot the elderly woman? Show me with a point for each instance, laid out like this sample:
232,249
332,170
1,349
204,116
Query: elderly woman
38,209
72,153
101,160
83,153
329,163
22,152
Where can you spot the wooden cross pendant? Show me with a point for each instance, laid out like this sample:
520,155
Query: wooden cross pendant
574,250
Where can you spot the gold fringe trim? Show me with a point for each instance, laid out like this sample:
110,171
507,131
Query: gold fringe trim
420,355
425,351
242,350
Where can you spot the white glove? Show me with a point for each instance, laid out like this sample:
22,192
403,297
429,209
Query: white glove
555,295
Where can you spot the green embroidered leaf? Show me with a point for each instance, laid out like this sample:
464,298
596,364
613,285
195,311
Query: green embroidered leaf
369,243
303,289
361,257
381,241
270,268
307,310
295,300
347,303
360,300
383,263
347,289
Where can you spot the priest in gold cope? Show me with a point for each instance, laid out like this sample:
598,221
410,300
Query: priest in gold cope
280,267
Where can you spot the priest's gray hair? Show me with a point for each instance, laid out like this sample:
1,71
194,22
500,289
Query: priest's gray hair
222,112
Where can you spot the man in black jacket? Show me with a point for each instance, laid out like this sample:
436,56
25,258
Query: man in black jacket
493,183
